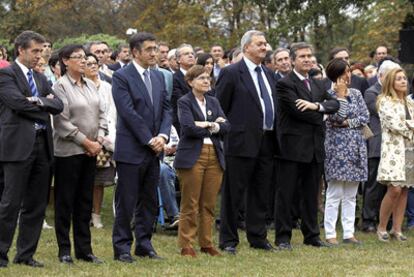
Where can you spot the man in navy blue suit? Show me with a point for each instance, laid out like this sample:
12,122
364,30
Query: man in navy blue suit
144,122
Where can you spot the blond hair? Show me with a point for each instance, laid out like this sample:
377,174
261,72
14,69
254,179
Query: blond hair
388,90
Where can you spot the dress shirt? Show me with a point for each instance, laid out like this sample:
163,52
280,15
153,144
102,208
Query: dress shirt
252,66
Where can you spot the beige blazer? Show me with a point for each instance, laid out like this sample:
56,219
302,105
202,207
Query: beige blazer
395,129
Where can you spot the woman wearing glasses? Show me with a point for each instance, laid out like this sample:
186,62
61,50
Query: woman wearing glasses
105,171
79,132
199,161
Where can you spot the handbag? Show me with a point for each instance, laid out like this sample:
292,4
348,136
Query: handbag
104,159
366,132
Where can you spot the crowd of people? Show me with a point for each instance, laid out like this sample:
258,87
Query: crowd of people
277,134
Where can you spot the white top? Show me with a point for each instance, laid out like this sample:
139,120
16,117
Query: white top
203,107
252,66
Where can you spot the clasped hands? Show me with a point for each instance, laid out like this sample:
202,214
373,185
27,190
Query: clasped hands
209,125
35,99
92,148
157,144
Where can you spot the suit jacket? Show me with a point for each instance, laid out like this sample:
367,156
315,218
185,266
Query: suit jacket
191,140
114,67
302,134
374,143
168,77
139,120
278,76
240,102
105,77
372,80
18,115
180,88
357,82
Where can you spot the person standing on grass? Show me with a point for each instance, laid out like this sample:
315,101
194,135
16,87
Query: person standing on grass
346,153
143,128
396,167
26,149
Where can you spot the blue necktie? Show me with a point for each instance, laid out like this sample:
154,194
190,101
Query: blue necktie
266,99
35,93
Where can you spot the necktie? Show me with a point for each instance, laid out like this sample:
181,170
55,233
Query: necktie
307,83
32,85
266,99
147,82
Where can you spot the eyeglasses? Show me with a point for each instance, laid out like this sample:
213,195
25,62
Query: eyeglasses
91,64
78,57
203,78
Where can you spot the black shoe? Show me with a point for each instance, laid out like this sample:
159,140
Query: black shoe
369,229
30,262
151,254
229,250
316,243
66,259
125,258
90,258
267,247
284,246
4,262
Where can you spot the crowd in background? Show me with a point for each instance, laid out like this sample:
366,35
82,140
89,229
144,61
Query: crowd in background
279,135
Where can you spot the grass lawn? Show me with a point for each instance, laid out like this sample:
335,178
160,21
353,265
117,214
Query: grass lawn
373,258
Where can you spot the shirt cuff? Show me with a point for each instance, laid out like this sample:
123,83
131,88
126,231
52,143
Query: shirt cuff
164,136
321,108
215,128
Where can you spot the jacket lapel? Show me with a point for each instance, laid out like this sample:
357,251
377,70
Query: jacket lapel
23,84
304,92
196,108
246,78
139,83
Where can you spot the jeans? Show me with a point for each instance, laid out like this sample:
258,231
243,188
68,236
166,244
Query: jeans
167,189
410,208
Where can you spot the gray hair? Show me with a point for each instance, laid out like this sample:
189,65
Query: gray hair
247,38
386,67
297,46
280,50
89,45
178,51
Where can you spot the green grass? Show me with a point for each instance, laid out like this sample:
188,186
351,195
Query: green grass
373,258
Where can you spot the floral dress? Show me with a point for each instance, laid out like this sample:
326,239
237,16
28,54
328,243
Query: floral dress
345,147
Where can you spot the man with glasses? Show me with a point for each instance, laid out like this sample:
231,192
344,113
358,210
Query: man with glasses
26,148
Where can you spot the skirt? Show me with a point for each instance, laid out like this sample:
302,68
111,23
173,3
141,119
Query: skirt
105,176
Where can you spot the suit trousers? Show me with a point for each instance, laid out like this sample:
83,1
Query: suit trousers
136,193
25,191
74,181
303,178
344,193
254,175
1,179
372,195
199,188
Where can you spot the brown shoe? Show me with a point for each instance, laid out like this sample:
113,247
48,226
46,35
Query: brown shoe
332,242
188,251
210,250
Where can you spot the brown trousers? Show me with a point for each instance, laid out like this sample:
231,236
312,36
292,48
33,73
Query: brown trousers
199,188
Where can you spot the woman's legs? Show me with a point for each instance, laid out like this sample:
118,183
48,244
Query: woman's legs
399,210
334,194
350,190
387,206
98,193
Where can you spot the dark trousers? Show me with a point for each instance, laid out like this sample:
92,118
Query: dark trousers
74,180
25,191
1,179
255,176
372,195
136,193
302,178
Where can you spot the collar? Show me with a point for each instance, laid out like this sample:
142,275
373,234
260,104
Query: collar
73,81
251,65
202,103
183,71
300,76
139,68
280,73
121,63
24,68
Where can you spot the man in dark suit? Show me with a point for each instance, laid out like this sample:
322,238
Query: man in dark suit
373,191
26,148
144,122
185,59
302,103
281,60
123,57
357,82
246,91
100,49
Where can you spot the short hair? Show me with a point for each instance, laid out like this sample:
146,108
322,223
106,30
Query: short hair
89,54
358,66
65,52
280,50
25,38
336,50
89,45
235,53
137,40
54,59
387,66
247,38
216,45
194,72
298,46
388,58
171,53
122,46
268,57
178,50
198,48
379,47
336,68
203,57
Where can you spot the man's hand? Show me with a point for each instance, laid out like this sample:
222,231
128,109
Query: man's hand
220,120
170,150
157,144
304,105
50,96
202,124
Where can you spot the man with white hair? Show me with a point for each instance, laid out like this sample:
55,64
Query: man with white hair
373,191
246,91
172,60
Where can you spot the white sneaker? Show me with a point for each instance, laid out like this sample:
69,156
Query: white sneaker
46,226
96,221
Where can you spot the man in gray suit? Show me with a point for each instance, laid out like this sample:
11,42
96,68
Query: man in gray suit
373,191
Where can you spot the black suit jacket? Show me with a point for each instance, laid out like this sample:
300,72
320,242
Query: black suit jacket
374,143
301,134
192,137
357,82
18,115
240,101
278,76
180,88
